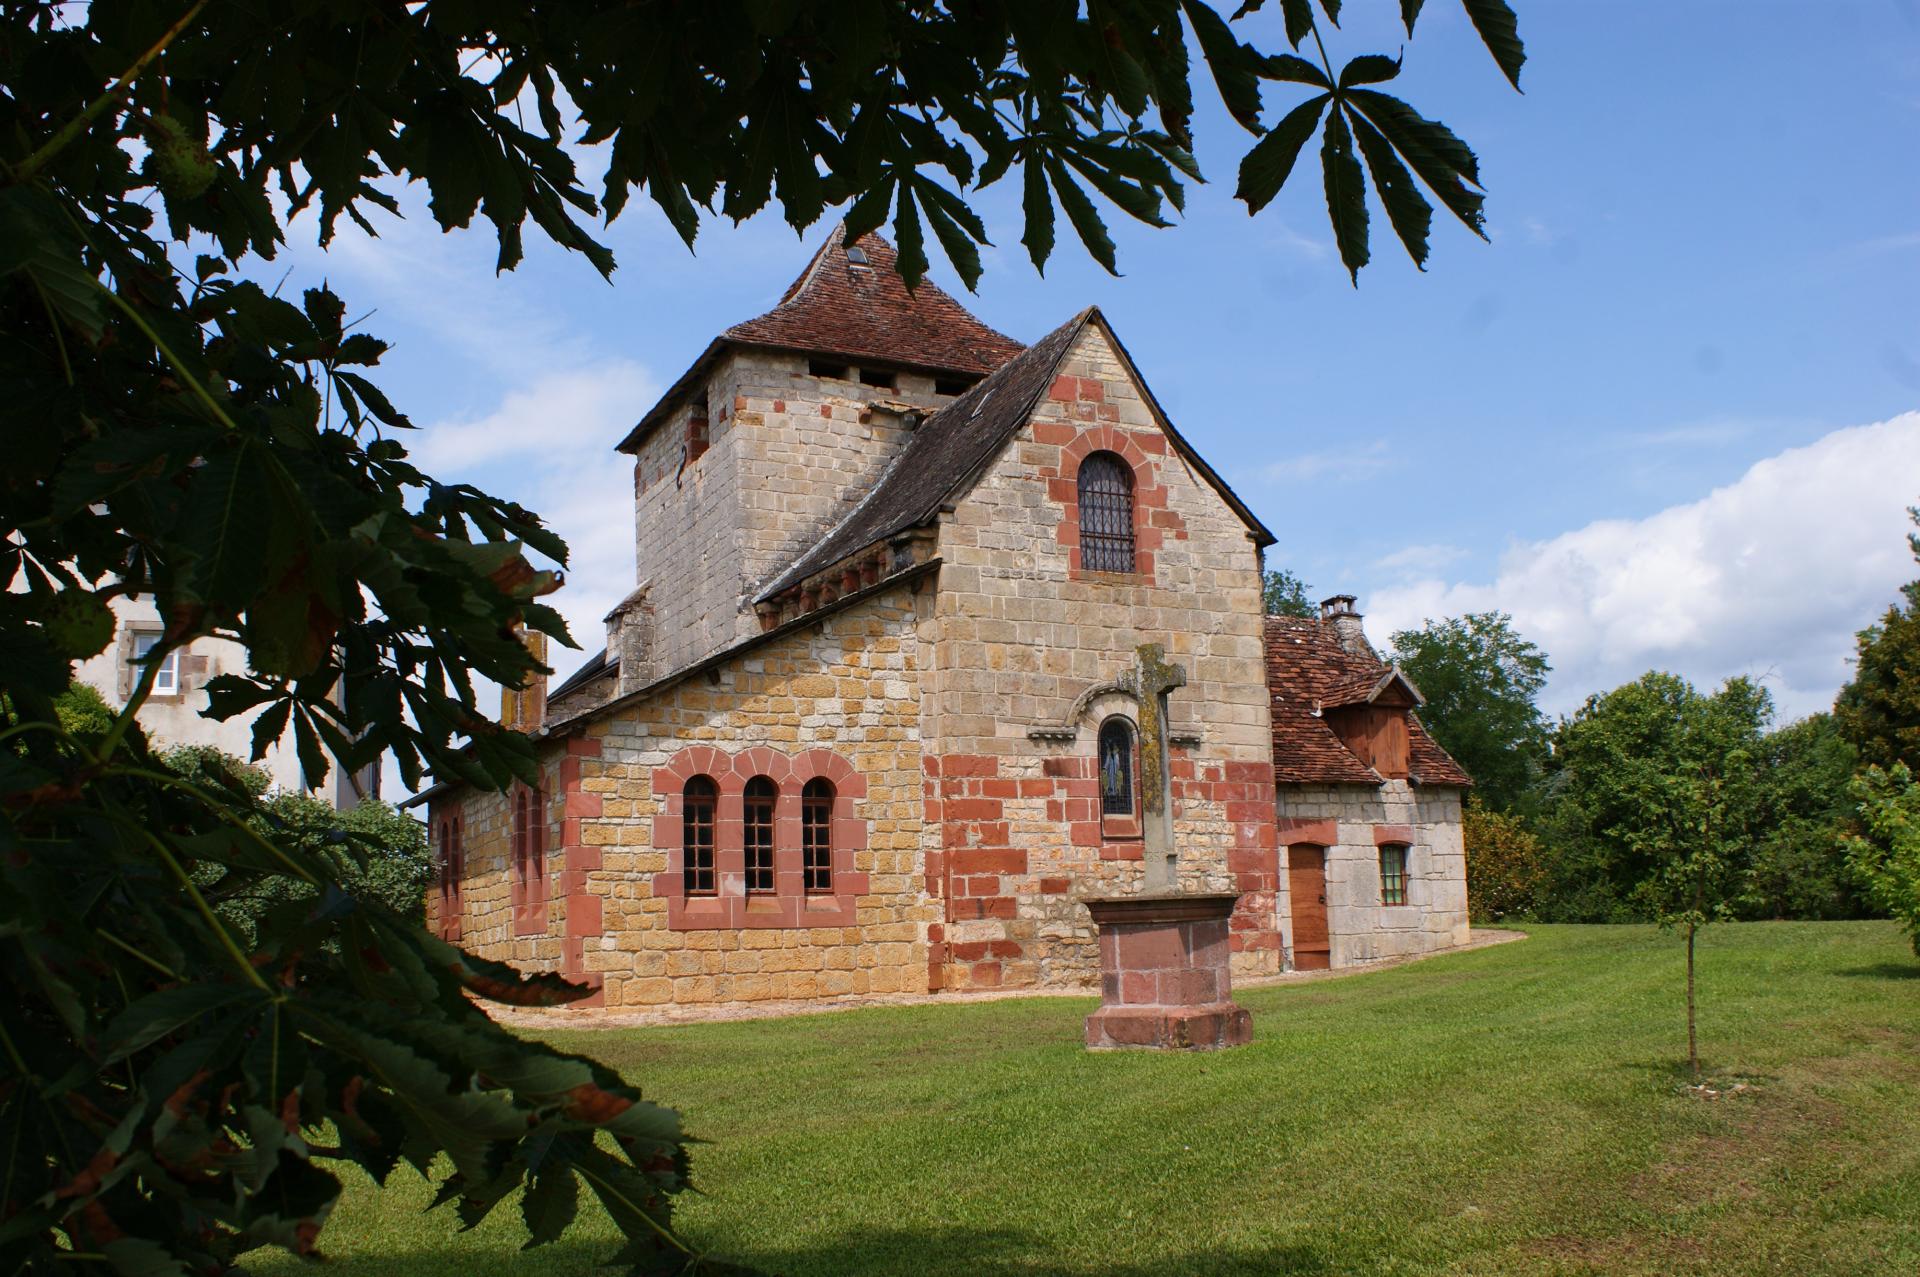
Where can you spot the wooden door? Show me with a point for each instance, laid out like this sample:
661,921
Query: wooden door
1307,892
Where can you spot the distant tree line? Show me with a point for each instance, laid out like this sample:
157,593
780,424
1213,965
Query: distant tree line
1659,801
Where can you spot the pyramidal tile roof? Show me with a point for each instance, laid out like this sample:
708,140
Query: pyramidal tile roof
1307,670
863,310
852,304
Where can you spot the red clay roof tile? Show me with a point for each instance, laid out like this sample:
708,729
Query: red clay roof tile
1307,668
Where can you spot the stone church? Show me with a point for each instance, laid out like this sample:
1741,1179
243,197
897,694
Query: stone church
936,636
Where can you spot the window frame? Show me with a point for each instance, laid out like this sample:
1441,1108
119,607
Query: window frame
1394,887
1109,539
817,799
528,870
166,680
691,871
759,843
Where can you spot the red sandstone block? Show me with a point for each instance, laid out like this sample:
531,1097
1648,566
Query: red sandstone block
1000,787
1053,432
1060,766
996,907
1035,788
973,809
1151,948
1085,833
1133,849
582,806
930,764
989,861
1064,387
1091,389
969,950
588,746
1139,987
985,975
1055,886
980,886
971,765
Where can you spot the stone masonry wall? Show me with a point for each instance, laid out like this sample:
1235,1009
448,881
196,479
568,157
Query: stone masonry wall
487,922
720,509
687,546
1015,838
1357,818
847,684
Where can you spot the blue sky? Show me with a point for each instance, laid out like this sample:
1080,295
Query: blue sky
1658,418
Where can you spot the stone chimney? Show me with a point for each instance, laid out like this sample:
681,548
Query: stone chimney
524,709
1339,612
630,640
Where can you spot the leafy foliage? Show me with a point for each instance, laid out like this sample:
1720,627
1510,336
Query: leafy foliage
1885,855
1505,866
1798,867
387,859
1663,778
1481,680
1284,594
1879,710
177,431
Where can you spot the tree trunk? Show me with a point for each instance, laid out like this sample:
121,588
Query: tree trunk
1693,1042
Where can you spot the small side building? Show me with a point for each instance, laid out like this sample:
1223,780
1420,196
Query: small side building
1368,804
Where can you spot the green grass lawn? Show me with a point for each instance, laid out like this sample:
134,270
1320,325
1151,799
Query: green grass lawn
1519,1109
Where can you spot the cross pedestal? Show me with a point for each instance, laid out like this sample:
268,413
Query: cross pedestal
1164,982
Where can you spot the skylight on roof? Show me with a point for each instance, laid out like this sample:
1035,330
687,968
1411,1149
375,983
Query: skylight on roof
856,256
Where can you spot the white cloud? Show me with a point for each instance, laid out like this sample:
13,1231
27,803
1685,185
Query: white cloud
1768,576
1415,559
1350,463
549,446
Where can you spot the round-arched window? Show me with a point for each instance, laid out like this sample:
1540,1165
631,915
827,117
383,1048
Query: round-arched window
1116,767
1106,513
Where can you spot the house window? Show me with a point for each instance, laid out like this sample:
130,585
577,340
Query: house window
950,385
1393,874
816,835
757,830
827,368
166,682
1106,513
697,803
1116,768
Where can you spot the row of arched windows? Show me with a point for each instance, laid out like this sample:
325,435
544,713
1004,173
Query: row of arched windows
699,803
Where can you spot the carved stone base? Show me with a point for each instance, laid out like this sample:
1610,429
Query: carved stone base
1164,980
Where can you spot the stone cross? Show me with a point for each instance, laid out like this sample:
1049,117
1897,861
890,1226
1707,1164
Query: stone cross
1153,678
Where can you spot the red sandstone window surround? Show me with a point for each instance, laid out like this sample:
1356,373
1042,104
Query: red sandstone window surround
1106,513
816,836
1393,874
698,802
529,872
783,841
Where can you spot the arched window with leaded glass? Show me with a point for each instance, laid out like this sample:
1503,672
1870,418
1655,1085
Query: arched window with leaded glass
1116,768
1106,513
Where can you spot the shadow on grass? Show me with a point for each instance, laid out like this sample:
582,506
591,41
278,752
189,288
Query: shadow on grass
878,1252
1886,971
